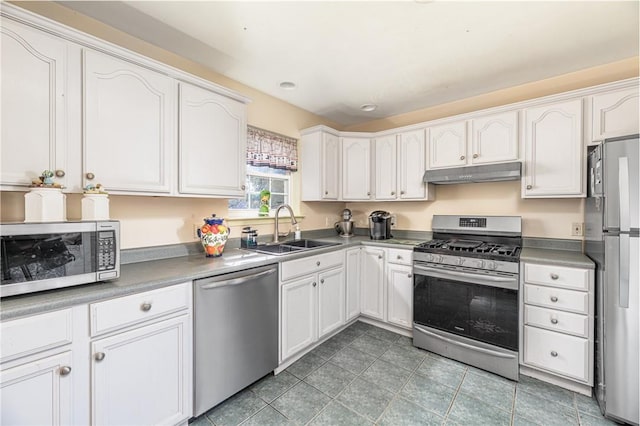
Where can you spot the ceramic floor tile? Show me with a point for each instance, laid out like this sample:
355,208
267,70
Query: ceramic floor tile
201,421
386,375
587,405
408,358
361,327
353,360
404,413
370,345
521,421
429,394
382,334
305,365
336,414
365,399
236,409
536,409
471,411
330,379
404,341
546,390
330,347
442,370
272,386
268,416
599,420
500,394
301,403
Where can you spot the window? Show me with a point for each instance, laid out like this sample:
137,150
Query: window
258,179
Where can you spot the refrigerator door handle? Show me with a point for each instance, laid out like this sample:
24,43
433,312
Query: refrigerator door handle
623,286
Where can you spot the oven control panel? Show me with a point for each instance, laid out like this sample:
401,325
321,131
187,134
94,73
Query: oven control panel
473,222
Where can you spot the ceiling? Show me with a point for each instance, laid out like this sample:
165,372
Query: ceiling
400,55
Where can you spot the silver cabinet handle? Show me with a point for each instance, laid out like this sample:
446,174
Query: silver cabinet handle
90,176
368,193
243,187
60,173
318,263
462,157
554,299
554,276
409,275
326,192
399,257
146,307
322,281
99,356
401,192
554,354
475,156
65,370
315,284
554,321
393,192
379,256
529,186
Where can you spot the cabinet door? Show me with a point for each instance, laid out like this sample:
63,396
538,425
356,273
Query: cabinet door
352,282
400,295
356,169
411,165
330,166
615,114
129,125
331,299
372,283
212,143
144,375
297,321
554,161
385,168
494,138
34,90
38,392
448,145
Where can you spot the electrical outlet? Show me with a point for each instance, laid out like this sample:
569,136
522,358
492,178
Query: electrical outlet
577,229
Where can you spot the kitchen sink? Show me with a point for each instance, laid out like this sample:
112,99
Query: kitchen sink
287,247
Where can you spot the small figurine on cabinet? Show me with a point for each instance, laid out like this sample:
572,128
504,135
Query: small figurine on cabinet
45,180
265,195
94,189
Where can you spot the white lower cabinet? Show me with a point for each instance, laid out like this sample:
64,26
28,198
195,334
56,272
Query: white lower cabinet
400,288
372,297
312,305
557,335
142,376
352,282
38,392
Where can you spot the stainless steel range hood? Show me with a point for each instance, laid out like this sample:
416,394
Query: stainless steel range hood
473,174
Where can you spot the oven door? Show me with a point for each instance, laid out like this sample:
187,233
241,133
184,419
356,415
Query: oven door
478,306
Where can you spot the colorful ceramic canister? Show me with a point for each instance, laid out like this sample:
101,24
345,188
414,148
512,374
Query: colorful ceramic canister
213,235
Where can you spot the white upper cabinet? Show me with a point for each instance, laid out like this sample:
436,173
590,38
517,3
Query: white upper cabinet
212,135
356,169
553,151
494,138
386,167
320,165
129,132
36,106
411,166
448,145
615,114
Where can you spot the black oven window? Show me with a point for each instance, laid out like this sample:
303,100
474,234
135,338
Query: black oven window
38,257
484,313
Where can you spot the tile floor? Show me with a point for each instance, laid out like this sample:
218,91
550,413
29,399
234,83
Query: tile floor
367,375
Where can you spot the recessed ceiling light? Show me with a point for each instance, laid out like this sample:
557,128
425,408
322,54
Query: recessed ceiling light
369,107
288,85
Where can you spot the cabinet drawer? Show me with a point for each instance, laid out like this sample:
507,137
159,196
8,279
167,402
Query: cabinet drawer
124,311
400,256
560,353
310,265
24,336
557,298
552,319
557,276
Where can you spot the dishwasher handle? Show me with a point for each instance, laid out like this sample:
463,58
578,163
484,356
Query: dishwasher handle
237,281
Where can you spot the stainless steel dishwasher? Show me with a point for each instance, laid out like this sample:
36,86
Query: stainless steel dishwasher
235,332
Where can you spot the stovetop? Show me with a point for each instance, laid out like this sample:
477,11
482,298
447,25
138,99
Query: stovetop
472,248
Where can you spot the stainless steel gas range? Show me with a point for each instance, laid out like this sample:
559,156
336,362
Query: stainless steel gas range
465,291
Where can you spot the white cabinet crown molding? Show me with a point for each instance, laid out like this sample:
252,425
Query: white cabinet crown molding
86,40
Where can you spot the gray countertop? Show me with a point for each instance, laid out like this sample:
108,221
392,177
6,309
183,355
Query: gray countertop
142,276
556,257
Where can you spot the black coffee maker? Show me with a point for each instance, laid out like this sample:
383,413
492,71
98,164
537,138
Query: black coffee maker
380,225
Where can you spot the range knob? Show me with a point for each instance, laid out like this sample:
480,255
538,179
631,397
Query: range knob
459,261
492,265
429,257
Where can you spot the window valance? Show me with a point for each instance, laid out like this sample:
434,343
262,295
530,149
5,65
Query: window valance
265,148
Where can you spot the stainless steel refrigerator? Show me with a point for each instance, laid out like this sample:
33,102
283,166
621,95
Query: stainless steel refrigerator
612,217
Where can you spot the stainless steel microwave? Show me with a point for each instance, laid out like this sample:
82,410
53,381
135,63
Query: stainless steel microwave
44,256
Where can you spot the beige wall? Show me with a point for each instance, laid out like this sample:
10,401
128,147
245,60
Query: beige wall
149,221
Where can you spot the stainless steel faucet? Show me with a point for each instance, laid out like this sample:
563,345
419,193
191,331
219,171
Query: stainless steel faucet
277,235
